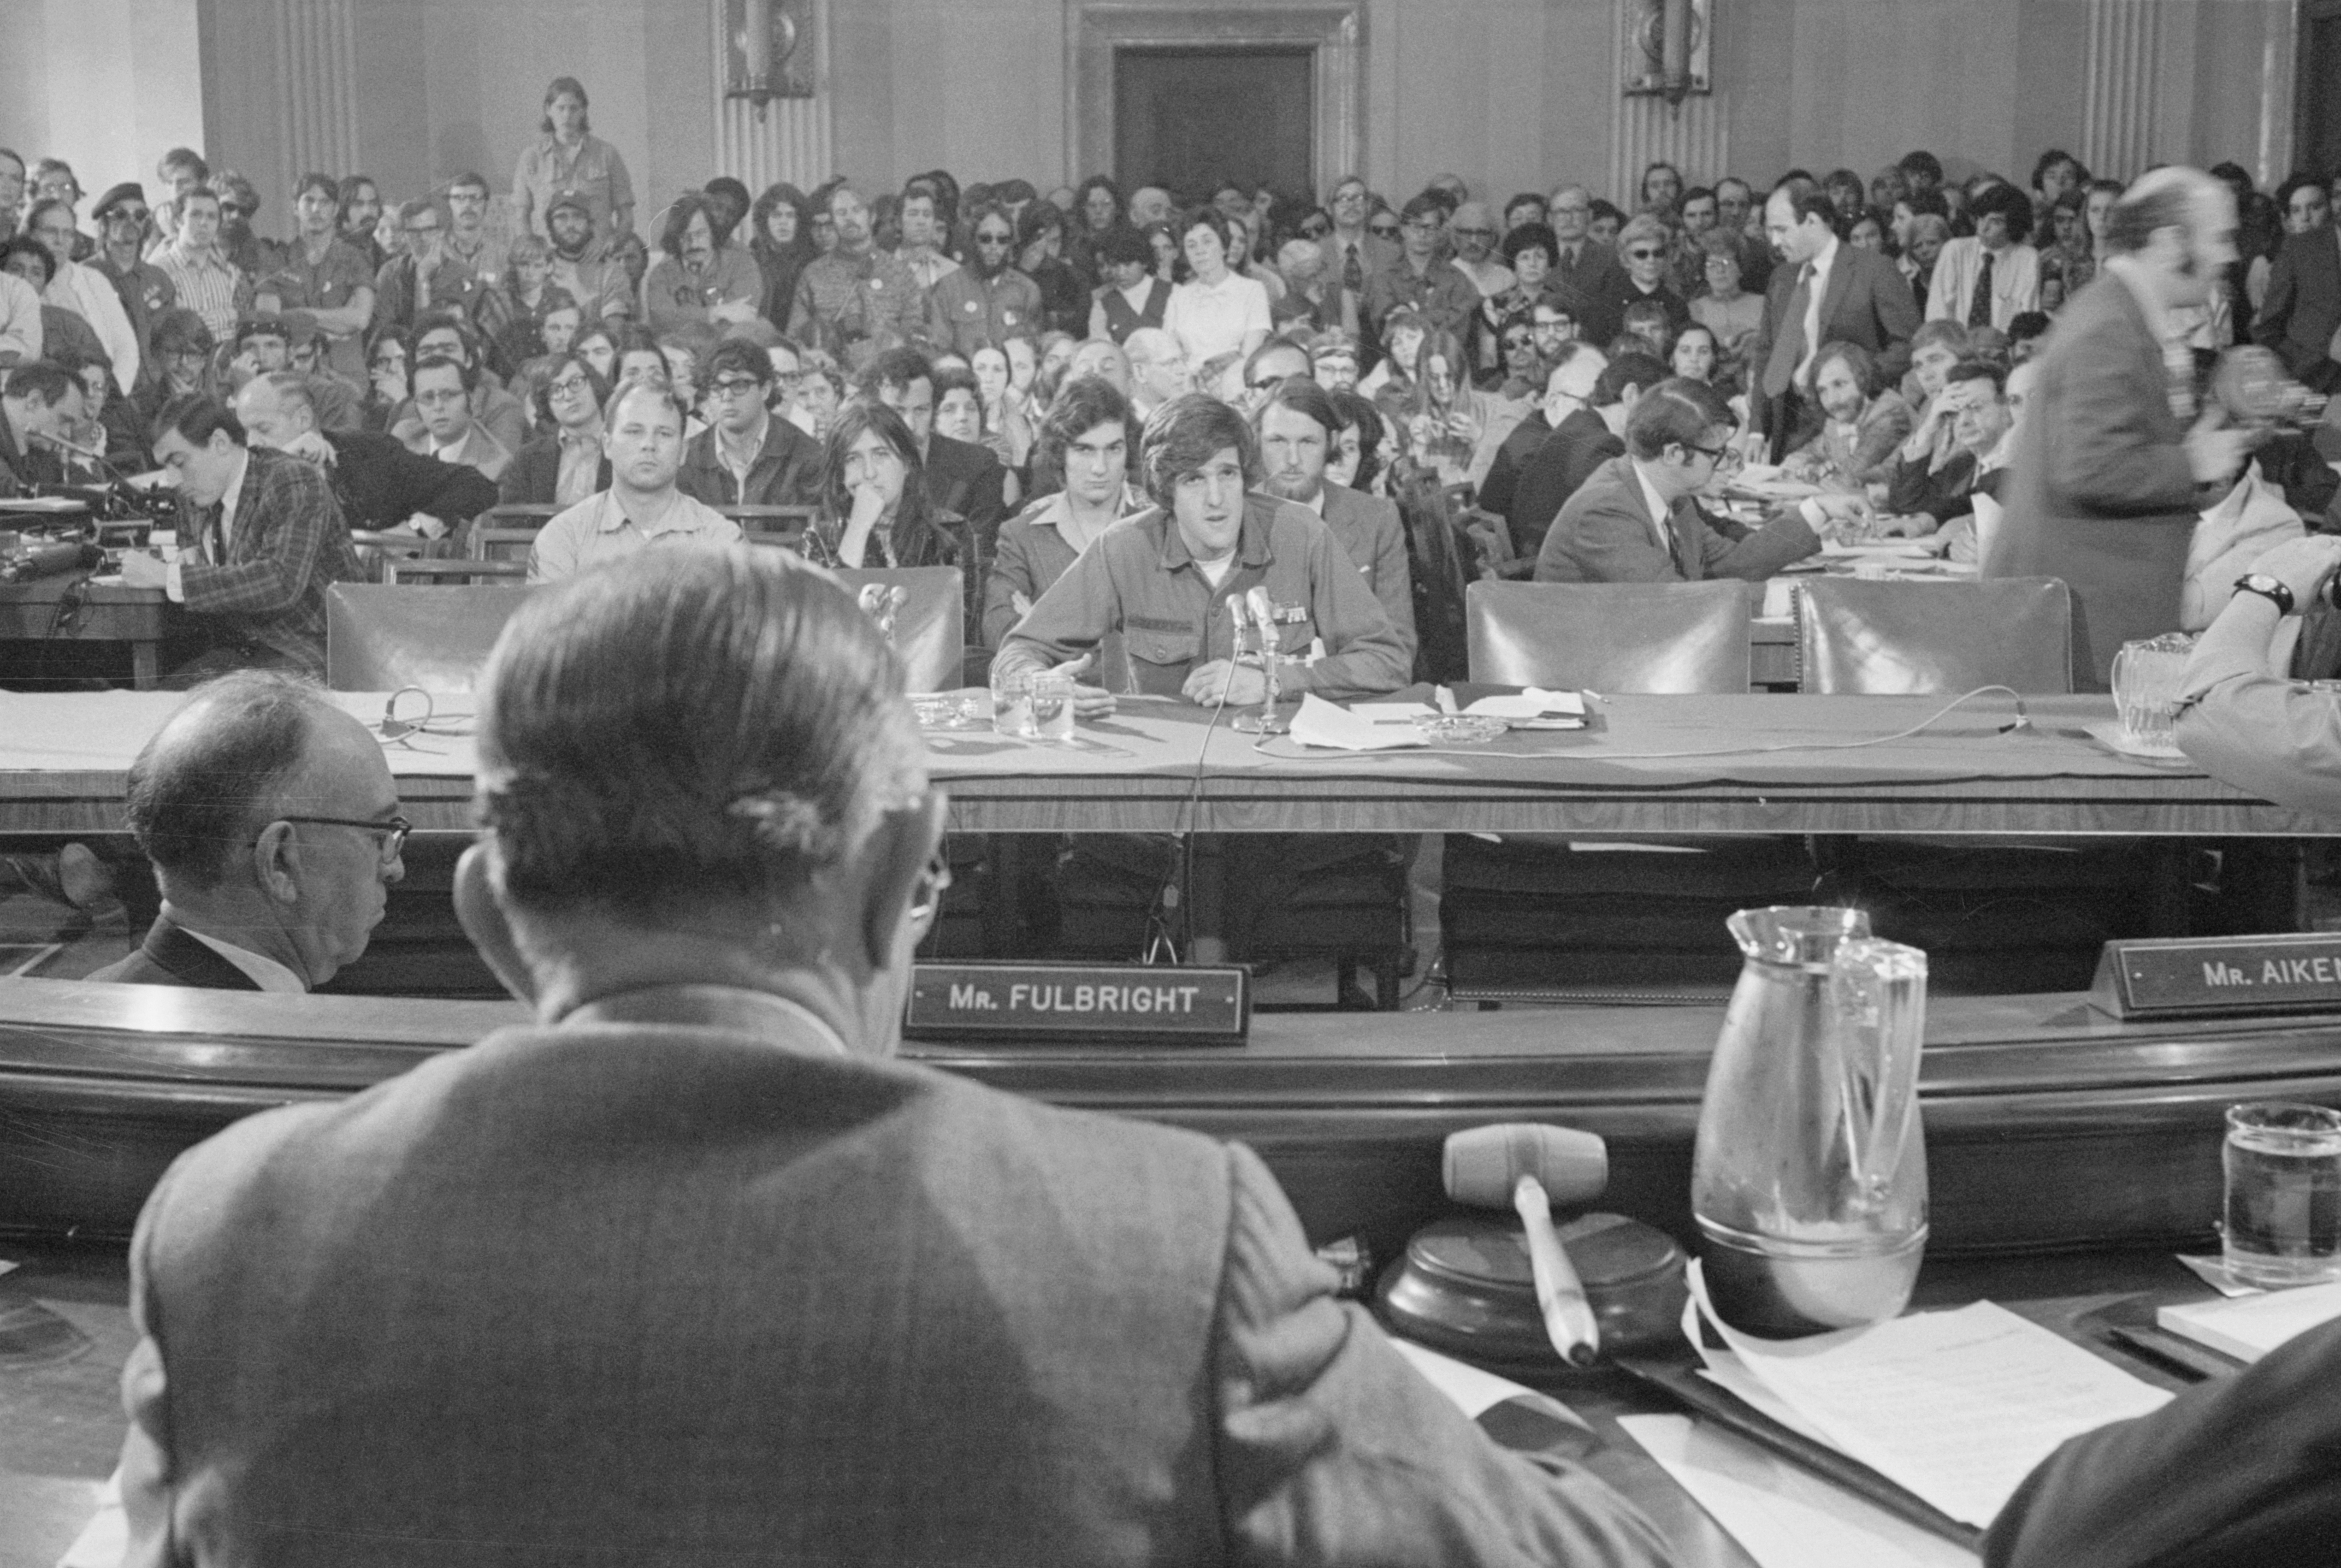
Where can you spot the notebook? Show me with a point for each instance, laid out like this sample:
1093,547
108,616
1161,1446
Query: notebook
2249,1326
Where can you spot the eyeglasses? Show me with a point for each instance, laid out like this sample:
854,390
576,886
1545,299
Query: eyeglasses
1643,253
1315,230
1712,454
127,216
441,397
1475,233
735,386
991,239
568,386
1387,231
425,229
1424,225
396,830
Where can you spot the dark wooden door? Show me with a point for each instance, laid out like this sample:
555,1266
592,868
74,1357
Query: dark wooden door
2316,142
1194,119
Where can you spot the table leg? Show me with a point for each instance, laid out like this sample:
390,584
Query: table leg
142,673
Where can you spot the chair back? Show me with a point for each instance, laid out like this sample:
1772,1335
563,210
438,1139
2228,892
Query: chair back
930,629
492,543
1641,637
1931,639
781,525
529,514
450,570
379,638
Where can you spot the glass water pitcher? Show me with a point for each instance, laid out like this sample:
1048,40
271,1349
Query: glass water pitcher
1809,1179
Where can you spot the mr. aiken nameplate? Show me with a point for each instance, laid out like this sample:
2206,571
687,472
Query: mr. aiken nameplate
2197,976
1199,1005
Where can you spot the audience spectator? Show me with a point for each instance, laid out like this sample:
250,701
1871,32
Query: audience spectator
66,339
423,279
263,346
239,204
2301,317
1808,306
380,484
444,427
362,209
1559,468
182,361
1217,311
494,409
84,291
1863,424
963,480
1992,276
1358,458
40,399
200,273
856,301
1584,272
988,300
1085,440
1159,370
123,220
641,508
1312,301
875,508
1434,290
1567,386
1040,257
781,240
1130,296
584,264
1929,489
12,190
563,462
1296,426
567,159
700,277
959,406
323,275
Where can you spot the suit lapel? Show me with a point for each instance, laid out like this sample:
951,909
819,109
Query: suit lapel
1840,281
171,949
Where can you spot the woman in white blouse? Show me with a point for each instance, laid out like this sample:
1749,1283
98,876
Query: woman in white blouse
1219,311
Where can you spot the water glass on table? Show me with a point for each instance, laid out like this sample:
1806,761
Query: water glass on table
1032,704
2148,677
2282,1222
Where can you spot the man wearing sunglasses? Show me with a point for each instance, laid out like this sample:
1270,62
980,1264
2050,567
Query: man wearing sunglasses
748,456
272,821
987,301
125,223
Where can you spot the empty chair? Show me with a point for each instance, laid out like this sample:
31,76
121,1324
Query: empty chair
1926,638
435,637
781,525
1646,637
2020,915
1537,916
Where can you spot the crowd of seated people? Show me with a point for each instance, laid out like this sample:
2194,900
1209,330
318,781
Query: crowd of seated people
1482,357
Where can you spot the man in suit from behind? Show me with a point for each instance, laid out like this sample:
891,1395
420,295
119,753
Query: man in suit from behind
2113,463
960,477
1824,292
1297,425
271,823
1635,520
2300,318
1591,434
687,1267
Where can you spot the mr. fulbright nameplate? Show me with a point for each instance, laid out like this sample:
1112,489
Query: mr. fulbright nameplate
2195,977
1201,1005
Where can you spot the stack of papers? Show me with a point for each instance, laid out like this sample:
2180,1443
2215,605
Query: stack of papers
1955,1408
2249,1326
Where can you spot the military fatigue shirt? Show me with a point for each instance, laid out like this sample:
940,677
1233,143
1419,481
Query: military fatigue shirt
1139,580
857,307
970,313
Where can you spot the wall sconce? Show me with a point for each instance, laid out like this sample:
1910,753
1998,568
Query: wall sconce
770,53
1668,51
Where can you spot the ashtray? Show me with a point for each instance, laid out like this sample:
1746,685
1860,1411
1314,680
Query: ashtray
952,710
1460,729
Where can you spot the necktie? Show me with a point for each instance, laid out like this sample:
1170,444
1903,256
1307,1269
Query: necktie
1353,270
1979,304
216,534
1788,345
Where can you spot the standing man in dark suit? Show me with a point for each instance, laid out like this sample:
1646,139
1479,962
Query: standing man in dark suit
380,483
1824,292
2301,317
2112,464
263,537
1635,520
272,825
1585,271
686,1268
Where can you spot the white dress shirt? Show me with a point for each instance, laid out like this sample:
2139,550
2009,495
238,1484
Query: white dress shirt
173,587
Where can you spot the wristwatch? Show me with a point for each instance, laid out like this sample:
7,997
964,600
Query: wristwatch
2271,589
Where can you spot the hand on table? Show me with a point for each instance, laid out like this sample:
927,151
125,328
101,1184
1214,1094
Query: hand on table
1088,701
1210,684
1912,525
140,570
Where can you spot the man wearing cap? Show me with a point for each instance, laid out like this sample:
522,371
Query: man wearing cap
323,274
122,217
582,262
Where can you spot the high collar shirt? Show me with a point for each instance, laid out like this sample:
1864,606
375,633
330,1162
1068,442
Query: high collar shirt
207,283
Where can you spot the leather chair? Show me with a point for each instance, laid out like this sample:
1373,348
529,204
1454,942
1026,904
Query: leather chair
435,637
1643,636
1993,915
451,569
930,629
783,525
1530,918
1930,638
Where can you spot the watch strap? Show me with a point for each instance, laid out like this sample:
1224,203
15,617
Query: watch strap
2273,590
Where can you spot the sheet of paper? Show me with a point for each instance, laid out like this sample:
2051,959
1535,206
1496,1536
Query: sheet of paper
104,1541
1322,723
1533,703
1956,1406
2250,1326
1475,1391
2212,1270
1782,1516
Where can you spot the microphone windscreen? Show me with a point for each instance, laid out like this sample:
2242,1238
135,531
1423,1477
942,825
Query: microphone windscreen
1482,1164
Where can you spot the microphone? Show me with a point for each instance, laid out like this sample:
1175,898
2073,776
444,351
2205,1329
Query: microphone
91,454
1526,1165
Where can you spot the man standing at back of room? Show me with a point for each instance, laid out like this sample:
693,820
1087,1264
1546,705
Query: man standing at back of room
1824,292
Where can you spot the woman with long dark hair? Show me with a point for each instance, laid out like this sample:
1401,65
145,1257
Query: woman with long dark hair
874,510
779,236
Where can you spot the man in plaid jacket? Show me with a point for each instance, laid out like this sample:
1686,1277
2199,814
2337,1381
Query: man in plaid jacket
261,535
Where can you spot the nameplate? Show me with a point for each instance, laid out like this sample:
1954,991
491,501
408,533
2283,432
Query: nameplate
2199,977
1156,1004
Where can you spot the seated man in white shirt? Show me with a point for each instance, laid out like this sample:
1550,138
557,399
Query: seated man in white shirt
641,435
2277,737
272,821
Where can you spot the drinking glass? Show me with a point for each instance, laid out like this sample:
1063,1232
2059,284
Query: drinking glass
2284,1193
2148,677
1051,700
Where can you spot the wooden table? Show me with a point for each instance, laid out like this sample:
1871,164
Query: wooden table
109,612
1651,765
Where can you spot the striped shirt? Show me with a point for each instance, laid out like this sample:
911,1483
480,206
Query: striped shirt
208,284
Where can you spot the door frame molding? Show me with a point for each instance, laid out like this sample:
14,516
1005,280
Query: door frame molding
1334,33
